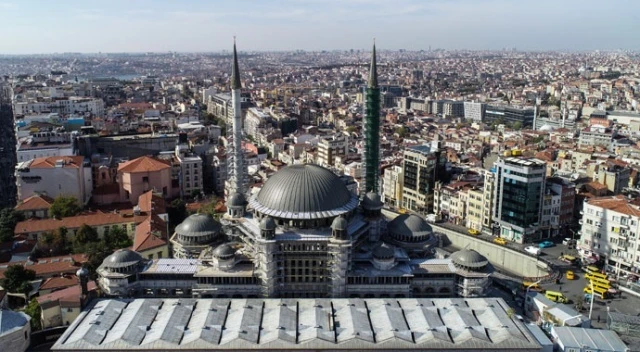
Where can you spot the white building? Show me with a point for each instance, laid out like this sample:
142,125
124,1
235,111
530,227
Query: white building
392,182
610,230
72,105
55,176
190,169
15,331
44,144
474,111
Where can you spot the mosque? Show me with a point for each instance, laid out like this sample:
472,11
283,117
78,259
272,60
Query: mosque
302,235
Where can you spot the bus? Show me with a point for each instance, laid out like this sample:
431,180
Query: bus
600,282
592,269
590,276
599,291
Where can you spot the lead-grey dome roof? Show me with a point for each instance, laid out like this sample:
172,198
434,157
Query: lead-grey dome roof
304,191
407,226
198,225
224,251
469,258
122,258
237,200
372,201
267,223
339,223
384,252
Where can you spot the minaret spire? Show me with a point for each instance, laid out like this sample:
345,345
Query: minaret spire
373,71
235,73
371,153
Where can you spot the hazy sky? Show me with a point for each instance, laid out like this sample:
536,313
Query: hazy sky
197,25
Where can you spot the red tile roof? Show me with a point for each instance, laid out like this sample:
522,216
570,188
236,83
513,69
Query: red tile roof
36,202
69,294
75,222
50,162
47,267
151,203
150,233
617,203
143,164
59,282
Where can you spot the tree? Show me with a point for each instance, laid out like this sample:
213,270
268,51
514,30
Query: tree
117,238
177,212
63,207
517,125
96,252
85,234
33,310
8,220
52,243
16,279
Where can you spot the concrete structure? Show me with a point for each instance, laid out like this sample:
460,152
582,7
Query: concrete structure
71,105
509,115
8,159
329,148
55,176
15,331
45,144
453,109
518,198
302,325
190,178
392,185
596,136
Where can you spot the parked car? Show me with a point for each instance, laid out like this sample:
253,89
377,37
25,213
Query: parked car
473,232
501,241
546,244
570,275
569,242
533,250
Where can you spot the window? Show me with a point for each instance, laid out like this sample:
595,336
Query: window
145,179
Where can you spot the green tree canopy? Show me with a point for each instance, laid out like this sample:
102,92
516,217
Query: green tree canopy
85,234
52,243
117,238
33,310
16,279
63,207
177,212
8,220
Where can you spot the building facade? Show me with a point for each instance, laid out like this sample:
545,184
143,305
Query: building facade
518,197
474,111
420,171
509,115
8,158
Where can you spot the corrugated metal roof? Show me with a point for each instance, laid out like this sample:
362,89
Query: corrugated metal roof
243,324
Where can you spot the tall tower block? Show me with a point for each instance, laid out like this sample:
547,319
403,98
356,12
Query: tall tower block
372,130
236,166
8,156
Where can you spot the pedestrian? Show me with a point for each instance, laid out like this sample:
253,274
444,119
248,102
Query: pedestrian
598,318
561,254
560,288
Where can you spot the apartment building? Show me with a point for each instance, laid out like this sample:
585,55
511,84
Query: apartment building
392,185
55,176
610,229
420,170
331,147
474,111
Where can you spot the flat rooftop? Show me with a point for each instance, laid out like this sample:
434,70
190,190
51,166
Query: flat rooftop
297,324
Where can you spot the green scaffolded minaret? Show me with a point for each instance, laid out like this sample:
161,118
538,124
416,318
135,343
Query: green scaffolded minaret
372,130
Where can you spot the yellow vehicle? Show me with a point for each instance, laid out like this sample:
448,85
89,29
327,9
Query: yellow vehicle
592,269
473,232
568,259
501,241
526,285
556,296
570,275
600,292
591,276
600,282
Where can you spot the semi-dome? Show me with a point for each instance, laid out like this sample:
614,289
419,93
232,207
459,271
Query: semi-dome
372,201
468,258
122,258
267,223
410,228
224,251
384,252
339,223
304,191
237,200
198,225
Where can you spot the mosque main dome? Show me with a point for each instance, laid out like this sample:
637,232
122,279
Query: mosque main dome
304,191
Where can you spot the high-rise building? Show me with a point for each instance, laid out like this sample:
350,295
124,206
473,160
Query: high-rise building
518,194
474,111
419,168
509,115
372,130
8,156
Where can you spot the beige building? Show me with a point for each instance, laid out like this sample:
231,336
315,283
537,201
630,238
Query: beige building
392,184
419,169
475,208
143,174
331,147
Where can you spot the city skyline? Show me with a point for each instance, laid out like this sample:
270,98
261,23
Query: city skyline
198,26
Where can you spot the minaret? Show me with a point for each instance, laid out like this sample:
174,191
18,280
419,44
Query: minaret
372,130
236,176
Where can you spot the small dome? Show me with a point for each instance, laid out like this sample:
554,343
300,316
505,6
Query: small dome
198,225
468,258
339,223
372,201
82,272
122,258
224,251
546,128
267,223
409,227
237,200
384,252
